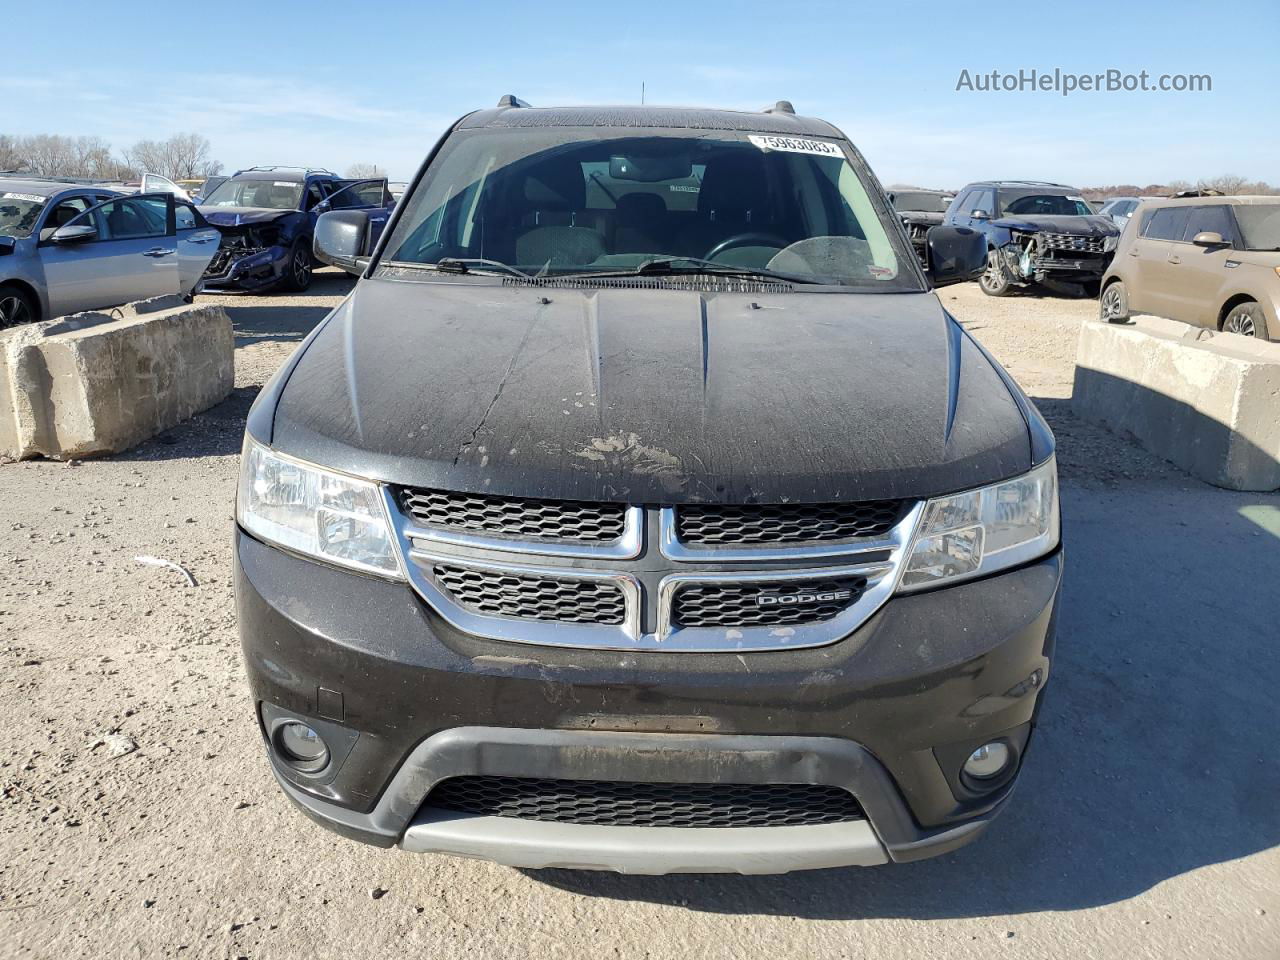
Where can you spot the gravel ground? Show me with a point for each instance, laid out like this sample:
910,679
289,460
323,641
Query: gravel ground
138,817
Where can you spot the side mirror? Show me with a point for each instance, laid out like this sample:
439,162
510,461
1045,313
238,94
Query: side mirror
7,245
1208,238
75,233
954,255
980,215
342,238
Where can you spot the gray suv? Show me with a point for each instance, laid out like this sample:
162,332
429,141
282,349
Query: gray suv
68,247
642,508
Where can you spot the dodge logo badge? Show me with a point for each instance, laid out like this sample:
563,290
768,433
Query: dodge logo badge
791,599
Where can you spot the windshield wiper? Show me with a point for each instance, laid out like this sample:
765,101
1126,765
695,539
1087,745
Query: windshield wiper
469,265
667,266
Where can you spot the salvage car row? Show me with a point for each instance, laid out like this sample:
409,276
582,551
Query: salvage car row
67,246
1207,260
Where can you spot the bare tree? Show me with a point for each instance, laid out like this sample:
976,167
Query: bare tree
183,156
10,156
365,171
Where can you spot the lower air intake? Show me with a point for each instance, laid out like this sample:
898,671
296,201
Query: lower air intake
618,803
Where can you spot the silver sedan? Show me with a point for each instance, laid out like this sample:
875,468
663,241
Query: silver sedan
68,247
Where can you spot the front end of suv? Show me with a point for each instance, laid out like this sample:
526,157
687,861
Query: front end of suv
694,573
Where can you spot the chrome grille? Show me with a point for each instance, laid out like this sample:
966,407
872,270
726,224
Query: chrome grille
764,604
503,593
618,803
714,526
516,517
1074,242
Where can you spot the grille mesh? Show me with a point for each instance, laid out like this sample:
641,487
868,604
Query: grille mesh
524,518
717,526
497,593
627,804
1070,241
737,605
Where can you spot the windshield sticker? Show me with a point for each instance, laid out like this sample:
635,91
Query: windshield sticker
881,273
29,197
283,183
1076,199
795,145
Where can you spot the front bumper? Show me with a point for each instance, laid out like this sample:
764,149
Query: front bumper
888,713
252,271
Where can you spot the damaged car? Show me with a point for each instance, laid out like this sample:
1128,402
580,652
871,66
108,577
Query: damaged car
1037,233
920,210
267,216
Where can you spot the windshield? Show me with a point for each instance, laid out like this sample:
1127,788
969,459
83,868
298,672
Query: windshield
1047,205
1260,224
19,213
267,194
571,200
908,202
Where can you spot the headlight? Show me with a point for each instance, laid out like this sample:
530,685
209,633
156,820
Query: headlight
310,510
972,534
1110,243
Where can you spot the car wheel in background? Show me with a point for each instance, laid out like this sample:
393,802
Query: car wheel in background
995,281
16,307
1246,320
298,273
1114,305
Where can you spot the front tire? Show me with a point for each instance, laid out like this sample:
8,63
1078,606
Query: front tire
16,307
1114,305
1246,320
298,271
995,282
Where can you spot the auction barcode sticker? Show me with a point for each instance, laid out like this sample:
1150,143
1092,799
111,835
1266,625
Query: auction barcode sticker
29,197
795,145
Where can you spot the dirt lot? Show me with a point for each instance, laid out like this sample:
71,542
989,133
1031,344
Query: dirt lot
138,817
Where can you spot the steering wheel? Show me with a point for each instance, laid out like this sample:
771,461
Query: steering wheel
745,240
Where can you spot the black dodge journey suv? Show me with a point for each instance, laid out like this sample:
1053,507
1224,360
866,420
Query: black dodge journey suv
643,509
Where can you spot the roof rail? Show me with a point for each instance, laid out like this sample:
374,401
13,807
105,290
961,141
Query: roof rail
267,167
782,106
511,100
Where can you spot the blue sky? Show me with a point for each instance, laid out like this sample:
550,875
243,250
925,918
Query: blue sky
332,84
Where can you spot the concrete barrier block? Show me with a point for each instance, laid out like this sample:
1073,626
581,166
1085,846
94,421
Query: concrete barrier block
92,384
1208,402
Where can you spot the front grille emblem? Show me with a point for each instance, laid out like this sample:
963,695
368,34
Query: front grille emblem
803,597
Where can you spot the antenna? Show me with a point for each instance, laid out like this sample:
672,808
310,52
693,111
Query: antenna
642,93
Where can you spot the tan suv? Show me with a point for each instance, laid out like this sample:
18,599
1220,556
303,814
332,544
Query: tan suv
1209,261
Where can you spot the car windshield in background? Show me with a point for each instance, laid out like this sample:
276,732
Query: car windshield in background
1260,224
267,194
1047,205
19,213
908,202
574,201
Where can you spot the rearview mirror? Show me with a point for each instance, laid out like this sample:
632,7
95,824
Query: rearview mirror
980,215
1208,238
342,237
75,233
954,255
650,169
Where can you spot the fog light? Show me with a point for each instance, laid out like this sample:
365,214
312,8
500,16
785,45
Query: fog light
989,760
302,746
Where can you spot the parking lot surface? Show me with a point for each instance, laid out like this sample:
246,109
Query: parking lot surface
138,817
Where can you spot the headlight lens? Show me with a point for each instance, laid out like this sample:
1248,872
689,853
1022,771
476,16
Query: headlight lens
972,534
1110,243
313,511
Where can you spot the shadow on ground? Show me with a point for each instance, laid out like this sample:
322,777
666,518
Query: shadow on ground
1155,753
293,318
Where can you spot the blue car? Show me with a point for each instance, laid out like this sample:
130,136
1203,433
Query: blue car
267,217
1037,233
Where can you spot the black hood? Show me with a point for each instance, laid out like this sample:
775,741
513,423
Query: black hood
240,216
1090,226
649,395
